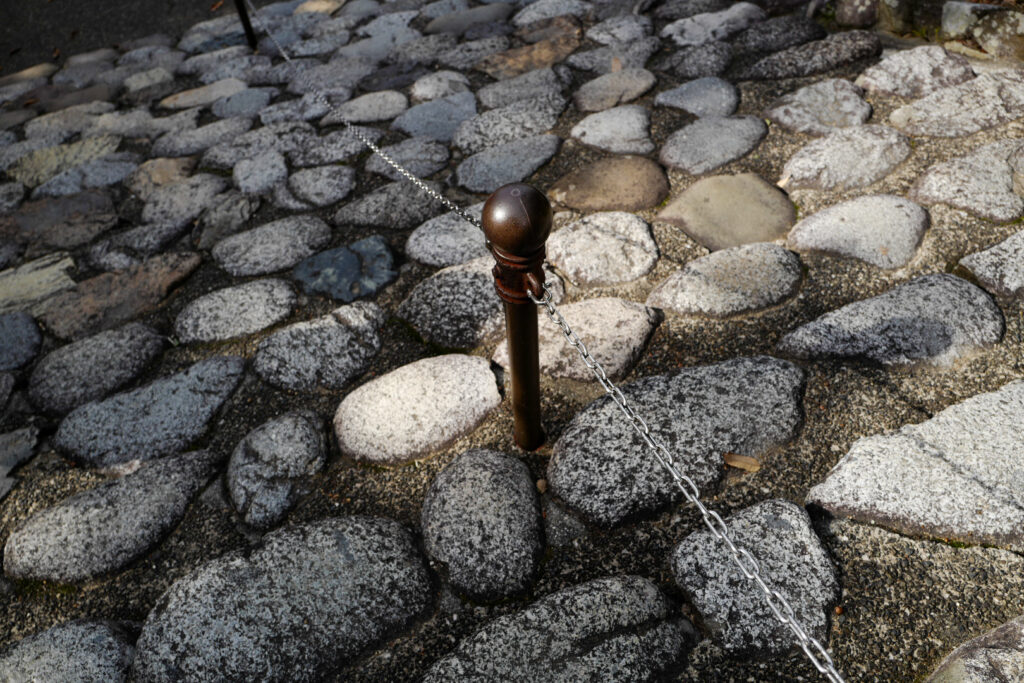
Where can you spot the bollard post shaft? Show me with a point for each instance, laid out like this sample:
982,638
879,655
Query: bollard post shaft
517,222
243,14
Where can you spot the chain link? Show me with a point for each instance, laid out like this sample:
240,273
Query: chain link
743,559
354,130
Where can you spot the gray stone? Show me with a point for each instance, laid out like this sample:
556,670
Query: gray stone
959,17
604,249
621,29
268,470
272,246
61,125
30,284
77,76
621,130
19,340
148,85
959,110
917,72
11,195
515,121
286,138
776,34
322,185
548,9
261,173
394,77
326,352
511,162
884,230
603,60
613,629
348,273
89,369
35,168
616,333
448,240
729,282
601,468
307,599
103,172
462,21
416,409
375,106
847,158
336,78
820,108
422,157
10,252
306,108
1001,34
186,142
159,418
437,85
181,203
201,63
238,68
819,56
151,57
468,54
235,311
995,656
933,318
334,147
441,8
437,119
709,26
613,89
227,215
999,268
422,50
709,96
16,447
711,142
205,95
481,522
394,207
140,123
247,103
107,527
980,183
74,652
792,561
727,211
530,85
955,476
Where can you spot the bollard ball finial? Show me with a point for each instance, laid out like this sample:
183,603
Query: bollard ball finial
517,219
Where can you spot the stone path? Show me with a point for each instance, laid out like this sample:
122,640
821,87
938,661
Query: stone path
254,399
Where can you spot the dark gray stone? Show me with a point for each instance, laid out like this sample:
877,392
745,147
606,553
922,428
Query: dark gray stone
672,10
530,85
304,601
511,162
15,447
777,33
614,629
228,214
437,119
273,246
819,56
235,311
334,147
268,471
792,561
709,59
711,142
605,60
467,54
931,318
394,77
322,185
709,96
75,652
613,89
247,103
89,369
181,143
325,352
348,273
154,420
481,522
107,527
179,204
395,206
420,156
601,468
19,340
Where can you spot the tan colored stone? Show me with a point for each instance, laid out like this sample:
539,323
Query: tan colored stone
157,173
22,288
616,184
319,6
207,94
44,70
39,166
529,57
727,211
111,299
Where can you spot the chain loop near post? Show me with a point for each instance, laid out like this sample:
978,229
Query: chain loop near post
743,559
517,222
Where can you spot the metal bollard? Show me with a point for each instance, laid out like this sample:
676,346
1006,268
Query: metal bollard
516,222
243,14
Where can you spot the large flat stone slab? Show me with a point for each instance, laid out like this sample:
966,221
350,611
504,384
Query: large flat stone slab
157,419
980,182
620,183
107,527
847,158
955,477
601,467
616,624
306,599
416,409
933,318
916,72
959,110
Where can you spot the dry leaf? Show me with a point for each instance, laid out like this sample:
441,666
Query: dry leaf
742,462
217,5
616,65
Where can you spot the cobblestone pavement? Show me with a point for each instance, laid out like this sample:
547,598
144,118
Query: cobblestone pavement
254,421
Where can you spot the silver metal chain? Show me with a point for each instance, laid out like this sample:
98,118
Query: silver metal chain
354,130
742,557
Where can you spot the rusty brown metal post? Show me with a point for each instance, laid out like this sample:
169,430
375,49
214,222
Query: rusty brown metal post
243,14
517,221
